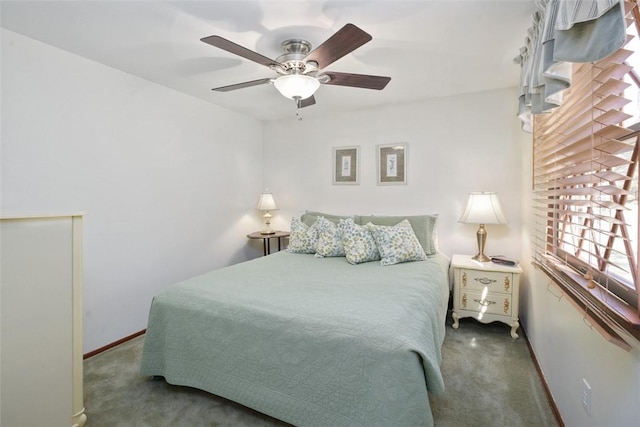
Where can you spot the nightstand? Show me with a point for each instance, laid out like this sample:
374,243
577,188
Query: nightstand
266,239
485,291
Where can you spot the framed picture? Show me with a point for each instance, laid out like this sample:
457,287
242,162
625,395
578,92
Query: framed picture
392,164
346,165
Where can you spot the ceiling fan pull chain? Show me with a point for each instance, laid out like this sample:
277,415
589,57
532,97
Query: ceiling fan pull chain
298,102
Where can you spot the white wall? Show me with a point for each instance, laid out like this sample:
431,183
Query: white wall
169,182
567,349
455,146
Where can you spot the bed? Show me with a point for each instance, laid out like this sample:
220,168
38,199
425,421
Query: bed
307,340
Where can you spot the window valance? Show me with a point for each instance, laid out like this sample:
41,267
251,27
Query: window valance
563,32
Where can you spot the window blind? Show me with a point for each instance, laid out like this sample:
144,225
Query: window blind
585,175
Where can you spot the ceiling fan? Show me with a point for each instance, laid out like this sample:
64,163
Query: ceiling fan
301,69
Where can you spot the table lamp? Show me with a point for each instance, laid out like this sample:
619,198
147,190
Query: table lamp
266,203
482,208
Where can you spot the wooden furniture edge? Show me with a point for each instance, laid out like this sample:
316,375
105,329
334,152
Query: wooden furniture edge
38,216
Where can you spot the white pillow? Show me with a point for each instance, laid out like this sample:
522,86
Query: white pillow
358,242
329,243
397,243
303,239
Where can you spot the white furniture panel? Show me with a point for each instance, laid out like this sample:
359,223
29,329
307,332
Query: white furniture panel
41,321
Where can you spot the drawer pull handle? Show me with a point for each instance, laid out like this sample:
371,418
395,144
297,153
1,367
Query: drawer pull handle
484,280
484,302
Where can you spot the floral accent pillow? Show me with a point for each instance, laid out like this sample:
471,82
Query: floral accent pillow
359,245
303,238
397,243
329,242
424,226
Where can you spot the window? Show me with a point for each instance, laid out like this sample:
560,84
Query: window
586,155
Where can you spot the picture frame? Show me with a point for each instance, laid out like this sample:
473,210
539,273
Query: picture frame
392,164
346,165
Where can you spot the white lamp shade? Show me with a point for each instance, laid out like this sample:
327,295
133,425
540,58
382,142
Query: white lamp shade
483,208
296,86
266,202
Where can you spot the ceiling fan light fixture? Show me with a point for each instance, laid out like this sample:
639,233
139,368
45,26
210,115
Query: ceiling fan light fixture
294,86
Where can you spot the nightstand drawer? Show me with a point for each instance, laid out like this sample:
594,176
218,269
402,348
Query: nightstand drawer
478,280
491,304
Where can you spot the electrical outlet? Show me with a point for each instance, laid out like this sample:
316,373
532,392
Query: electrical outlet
586,396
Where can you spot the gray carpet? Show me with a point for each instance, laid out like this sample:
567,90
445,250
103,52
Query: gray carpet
490,381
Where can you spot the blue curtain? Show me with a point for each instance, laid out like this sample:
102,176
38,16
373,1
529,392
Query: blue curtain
564,32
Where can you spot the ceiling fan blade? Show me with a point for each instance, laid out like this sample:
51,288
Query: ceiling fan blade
346,40
236,49
306,102
241,85
357,80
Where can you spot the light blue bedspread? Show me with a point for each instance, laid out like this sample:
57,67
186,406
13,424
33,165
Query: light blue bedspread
310,341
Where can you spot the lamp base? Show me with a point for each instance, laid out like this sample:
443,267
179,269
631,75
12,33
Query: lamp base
481,258
481,235
267,225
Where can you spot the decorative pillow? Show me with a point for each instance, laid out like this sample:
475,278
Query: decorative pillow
359,245
310,217
329,243
424,227
397,243
303,239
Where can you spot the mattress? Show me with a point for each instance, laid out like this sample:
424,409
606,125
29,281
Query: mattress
310,341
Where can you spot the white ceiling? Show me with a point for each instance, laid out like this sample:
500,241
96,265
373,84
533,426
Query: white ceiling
429,48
